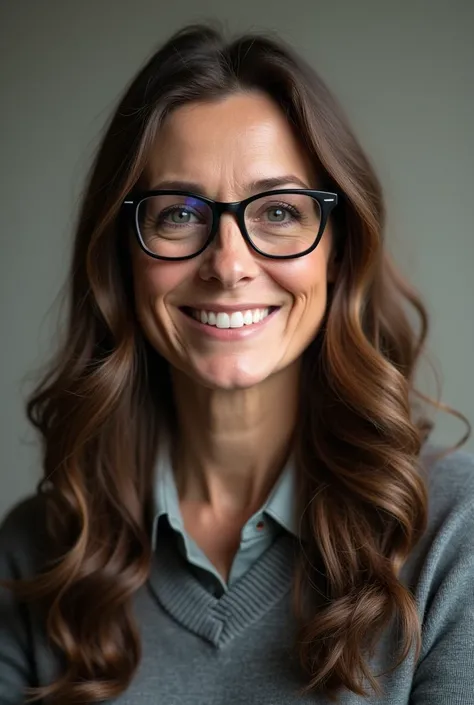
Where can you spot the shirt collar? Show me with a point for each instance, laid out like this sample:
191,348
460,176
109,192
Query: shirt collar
280,504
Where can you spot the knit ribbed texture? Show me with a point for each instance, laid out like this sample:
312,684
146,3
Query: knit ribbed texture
220,620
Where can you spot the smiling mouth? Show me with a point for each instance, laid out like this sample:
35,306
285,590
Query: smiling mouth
234,319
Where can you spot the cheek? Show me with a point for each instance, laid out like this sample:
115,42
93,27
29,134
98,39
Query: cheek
155,284
305,279
154,280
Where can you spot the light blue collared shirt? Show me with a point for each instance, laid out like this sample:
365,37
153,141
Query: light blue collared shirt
275,516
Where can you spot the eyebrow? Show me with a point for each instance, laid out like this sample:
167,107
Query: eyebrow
253,187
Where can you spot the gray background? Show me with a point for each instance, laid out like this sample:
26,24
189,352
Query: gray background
403,72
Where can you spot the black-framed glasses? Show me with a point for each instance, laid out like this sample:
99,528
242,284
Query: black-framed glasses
179,225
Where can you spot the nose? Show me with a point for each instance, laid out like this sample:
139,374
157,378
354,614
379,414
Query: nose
229,259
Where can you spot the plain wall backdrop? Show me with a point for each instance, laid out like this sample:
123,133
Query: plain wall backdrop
402,71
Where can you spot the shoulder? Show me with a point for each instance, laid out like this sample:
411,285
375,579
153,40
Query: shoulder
440,574
450,482
23,537
445,551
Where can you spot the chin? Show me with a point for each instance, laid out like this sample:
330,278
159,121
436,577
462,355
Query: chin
231,374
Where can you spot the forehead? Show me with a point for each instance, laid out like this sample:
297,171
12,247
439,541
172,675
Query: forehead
238,139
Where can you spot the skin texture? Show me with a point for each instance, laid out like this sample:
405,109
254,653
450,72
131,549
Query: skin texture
236,399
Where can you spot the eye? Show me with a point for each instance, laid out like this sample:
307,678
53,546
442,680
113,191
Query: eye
178,216
281,214
277,214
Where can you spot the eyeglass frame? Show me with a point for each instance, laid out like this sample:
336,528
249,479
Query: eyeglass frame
327,202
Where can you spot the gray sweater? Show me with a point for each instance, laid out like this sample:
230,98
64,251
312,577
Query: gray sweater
200,649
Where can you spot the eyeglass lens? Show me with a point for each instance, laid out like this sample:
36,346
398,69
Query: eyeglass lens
277,224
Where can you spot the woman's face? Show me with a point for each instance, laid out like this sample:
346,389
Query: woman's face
225,148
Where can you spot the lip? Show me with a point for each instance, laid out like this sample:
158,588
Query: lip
228,334
220,308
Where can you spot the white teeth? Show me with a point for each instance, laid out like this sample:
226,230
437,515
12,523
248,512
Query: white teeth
223,320
237,319
248,319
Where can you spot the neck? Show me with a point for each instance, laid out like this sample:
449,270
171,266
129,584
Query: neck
233,444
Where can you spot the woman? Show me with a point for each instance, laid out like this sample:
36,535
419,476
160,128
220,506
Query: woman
238,503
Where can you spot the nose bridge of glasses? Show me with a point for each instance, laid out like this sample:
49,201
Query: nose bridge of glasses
233,209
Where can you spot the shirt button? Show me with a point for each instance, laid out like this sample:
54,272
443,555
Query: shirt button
260,525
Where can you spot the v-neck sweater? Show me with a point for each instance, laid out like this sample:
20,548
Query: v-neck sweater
219,620
203,650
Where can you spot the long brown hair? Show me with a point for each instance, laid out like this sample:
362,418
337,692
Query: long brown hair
99,408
